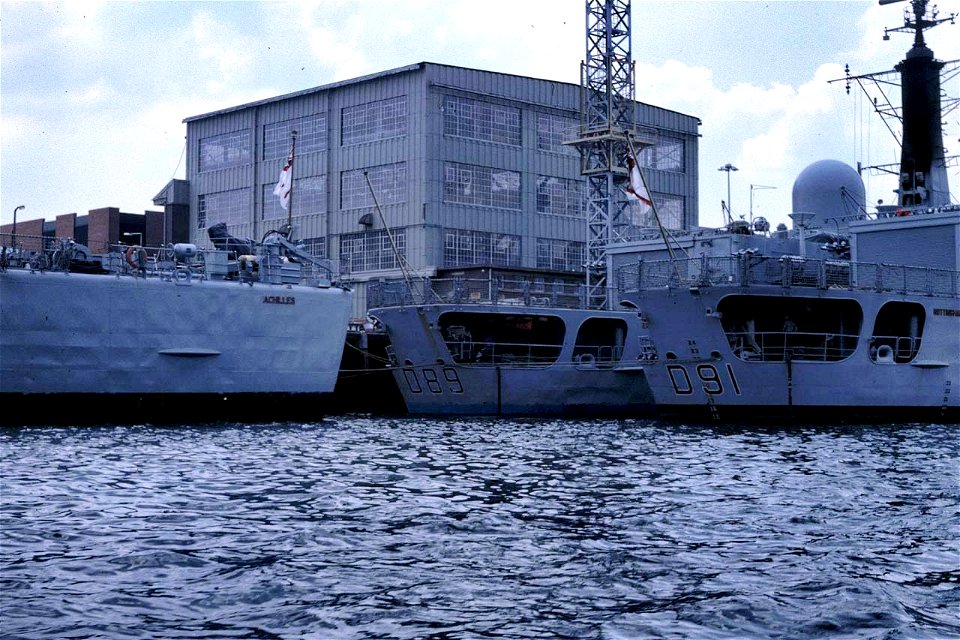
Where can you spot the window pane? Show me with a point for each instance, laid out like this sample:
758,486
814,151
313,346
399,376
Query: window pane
232,207
470,184
311,136
466,118
374,121
389,183
225,150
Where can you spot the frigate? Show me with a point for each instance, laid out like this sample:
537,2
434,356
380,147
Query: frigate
854,313
174,333
496,347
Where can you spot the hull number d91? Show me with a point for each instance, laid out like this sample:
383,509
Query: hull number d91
709,377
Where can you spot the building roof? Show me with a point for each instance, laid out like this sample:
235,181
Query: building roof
373,76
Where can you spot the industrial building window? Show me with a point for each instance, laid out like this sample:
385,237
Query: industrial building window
464,248
309,196
374,121
553,131
559,196
225,150
389,183
670,210
311,136
560,255
371,251
666,155
317,247
477,120
232,207
470,184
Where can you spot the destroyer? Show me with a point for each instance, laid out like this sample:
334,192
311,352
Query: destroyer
864,323
180,334
498,348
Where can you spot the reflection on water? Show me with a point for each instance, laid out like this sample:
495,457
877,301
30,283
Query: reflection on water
362,528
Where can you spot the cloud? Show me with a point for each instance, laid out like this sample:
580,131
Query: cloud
97,93
222,52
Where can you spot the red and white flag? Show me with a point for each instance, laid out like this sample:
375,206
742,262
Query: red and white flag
282,190
637,190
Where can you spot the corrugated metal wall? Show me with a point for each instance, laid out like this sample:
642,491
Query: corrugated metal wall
424,149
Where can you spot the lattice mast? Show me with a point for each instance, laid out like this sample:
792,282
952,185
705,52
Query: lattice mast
607,124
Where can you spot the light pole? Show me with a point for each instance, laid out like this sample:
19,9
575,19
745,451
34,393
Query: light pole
728,168
13,231
753,188
134,233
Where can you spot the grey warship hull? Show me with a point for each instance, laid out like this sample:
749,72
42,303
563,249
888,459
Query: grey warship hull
856,351
516,359
83,345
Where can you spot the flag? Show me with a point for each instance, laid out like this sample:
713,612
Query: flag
637,190
282,190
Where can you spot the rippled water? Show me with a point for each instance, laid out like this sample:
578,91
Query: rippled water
369,528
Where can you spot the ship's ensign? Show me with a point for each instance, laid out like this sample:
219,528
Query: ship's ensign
279,300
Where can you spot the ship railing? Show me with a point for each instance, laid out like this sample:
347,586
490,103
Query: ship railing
747,270
777,346
186,265
27,250
465,291
518,354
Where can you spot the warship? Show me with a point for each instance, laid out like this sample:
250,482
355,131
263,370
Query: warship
852,313
862,320
176,333
497,347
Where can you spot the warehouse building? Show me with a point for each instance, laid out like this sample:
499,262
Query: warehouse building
469,169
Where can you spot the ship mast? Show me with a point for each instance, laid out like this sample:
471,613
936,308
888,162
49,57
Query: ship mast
923,163
923,172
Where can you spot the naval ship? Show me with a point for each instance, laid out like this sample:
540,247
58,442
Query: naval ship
502,348
854,314
246,330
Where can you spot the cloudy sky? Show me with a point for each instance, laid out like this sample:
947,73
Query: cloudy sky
93,94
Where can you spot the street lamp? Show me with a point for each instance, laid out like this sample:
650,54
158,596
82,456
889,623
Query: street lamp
13,231
728,168
753,188
134,233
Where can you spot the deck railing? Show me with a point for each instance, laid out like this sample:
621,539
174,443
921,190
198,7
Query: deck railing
497,291
778,346
786,271
41,253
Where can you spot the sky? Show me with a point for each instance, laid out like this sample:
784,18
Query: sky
93,94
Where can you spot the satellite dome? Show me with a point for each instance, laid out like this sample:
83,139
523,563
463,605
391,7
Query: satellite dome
828,189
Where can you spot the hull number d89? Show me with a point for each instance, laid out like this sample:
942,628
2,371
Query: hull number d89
709,377
427,379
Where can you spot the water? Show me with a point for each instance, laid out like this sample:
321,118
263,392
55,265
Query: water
356,527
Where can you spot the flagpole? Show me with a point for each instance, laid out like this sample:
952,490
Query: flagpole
653,204
293,153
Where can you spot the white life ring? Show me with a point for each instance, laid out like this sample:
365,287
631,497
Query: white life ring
586,360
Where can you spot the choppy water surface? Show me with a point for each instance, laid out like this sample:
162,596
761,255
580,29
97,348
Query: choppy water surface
370,528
